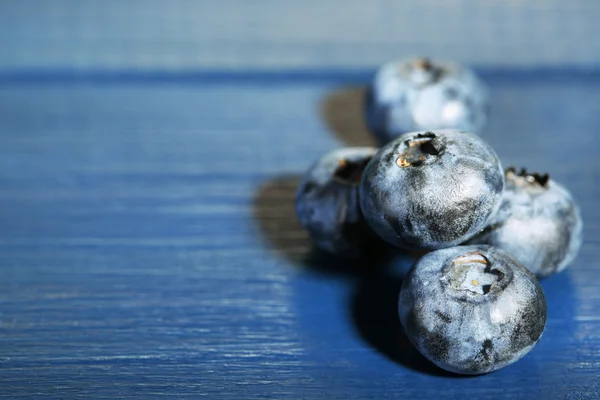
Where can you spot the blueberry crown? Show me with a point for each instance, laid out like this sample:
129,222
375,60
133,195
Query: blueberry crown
350,172
532,178
475,277
424,64
482,279
418,148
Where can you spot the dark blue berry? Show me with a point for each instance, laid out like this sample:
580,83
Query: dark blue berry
419,94
327,201
430,190
538,222
472,309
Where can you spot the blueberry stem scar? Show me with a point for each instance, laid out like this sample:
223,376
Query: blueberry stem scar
467,276
423,63
418,149
462,260
350,172
531,178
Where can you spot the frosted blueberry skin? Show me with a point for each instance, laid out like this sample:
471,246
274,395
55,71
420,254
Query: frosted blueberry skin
327,201
472,309
538,223
419,94
430,190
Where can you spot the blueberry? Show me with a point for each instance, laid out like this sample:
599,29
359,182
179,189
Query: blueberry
538,222
419,94
472,309
430,190
327,201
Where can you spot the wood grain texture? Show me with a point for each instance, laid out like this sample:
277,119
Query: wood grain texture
148,246
243,34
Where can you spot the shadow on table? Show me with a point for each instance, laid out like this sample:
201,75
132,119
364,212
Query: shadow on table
275,215
375,313
374,305
374,308
342,111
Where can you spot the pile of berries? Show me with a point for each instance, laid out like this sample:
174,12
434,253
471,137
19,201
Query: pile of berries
472,304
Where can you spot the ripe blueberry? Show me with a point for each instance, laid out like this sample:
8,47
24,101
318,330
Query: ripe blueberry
538,222
472,309
419,94
327,201
430,190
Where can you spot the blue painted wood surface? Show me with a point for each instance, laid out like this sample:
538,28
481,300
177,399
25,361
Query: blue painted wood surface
148,245
250,34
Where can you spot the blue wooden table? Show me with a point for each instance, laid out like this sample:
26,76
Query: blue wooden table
149,248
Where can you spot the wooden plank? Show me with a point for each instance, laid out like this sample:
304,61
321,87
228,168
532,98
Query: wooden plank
148,246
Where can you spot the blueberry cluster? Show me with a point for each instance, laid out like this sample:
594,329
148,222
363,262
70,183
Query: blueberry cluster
472,304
